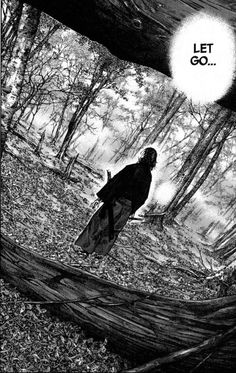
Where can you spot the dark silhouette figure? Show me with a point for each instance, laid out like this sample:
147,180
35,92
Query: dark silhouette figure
122,195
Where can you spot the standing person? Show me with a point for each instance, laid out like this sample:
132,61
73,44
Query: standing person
122,195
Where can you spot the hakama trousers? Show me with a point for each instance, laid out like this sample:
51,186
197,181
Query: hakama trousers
96,235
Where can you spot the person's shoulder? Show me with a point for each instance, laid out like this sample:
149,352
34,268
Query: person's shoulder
130,166
127,169
138,167
131,169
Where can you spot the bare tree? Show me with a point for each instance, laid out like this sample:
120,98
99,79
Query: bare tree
25,38
11,15
221,127
105,71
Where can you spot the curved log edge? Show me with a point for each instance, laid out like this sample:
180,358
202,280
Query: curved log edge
137,30
175,356
138,325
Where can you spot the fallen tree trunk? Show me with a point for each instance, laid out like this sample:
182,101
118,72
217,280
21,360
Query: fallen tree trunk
137,30
138,325
179,355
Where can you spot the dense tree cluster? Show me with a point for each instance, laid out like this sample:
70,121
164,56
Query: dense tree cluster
74,89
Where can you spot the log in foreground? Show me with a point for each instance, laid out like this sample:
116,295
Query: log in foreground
175,356
138,325
137,30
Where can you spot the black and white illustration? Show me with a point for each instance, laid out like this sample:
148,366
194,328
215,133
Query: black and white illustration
118,186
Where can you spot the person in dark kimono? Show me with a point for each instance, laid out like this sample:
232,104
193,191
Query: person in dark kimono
122,195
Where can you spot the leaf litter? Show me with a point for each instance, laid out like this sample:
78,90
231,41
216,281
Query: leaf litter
44,212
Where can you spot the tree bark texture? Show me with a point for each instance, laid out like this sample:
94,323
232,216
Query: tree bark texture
9,31
195,160
39,146
204,175
227,253
70,166
65,106
225,246
165,119
134,137
227,235
42,42
137,30
179,355
26,35
203,145
80,112
138,325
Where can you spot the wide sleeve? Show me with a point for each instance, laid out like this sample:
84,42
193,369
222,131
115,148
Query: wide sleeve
112,189
141,185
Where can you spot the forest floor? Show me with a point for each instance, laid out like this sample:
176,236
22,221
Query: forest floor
44,212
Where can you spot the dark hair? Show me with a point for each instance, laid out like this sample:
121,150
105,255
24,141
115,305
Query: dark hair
149,157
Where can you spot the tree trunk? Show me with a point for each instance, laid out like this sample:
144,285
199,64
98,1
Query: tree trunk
202,146
165,119
61,119
9,32
40,45
207,229
230,206
38,148
227,235
215,226
193,163
225,246
227,251
30,112
66,103
3,140
70,166
202,178
138,325
126,147
79,114
26,35
69,134
139,30
207,345
34,112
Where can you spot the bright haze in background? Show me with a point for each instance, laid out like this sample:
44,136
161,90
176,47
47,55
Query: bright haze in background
203,83
165,192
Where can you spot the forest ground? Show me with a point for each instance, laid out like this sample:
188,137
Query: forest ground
44,212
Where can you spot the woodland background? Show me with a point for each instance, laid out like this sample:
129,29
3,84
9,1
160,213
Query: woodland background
70,111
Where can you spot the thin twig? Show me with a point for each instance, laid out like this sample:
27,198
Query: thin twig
200,363
147,257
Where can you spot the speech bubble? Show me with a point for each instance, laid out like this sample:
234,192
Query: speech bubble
202,57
